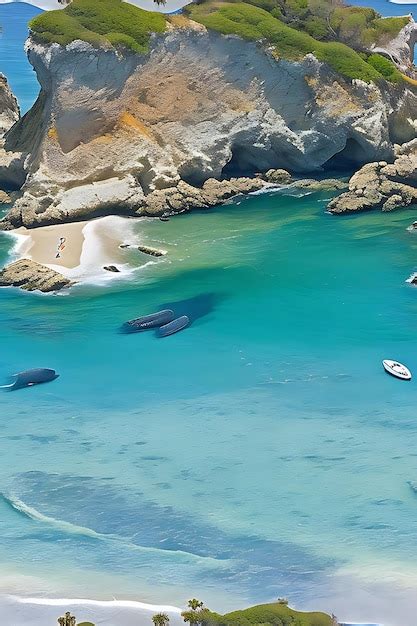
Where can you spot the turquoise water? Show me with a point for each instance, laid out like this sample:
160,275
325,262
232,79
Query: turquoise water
258,453
261,453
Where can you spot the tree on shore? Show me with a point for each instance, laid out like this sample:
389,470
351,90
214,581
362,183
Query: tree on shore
160,619
195,604
67,620
195,613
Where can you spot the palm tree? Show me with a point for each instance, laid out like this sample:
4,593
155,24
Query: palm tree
195,604
160,619
67,620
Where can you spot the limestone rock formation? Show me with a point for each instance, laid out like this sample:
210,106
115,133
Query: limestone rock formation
11,164
9,109
382,185
401,48
135,134
32,276
279,176
184,197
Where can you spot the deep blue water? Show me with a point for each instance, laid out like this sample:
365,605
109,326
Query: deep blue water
261,453
13,62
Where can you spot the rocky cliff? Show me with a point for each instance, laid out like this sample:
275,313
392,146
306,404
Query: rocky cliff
9,109
387,186
110,130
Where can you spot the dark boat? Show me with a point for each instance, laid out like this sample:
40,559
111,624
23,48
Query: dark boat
32,377
155,320
174,326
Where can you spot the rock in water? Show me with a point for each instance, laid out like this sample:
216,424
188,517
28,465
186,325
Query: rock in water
111,268
382,185
4,197
32,276
151,251
279,177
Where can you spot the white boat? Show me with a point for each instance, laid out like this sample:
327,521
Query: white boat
396,369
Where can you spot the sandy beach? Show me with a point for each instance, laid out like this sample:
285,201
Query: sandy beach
59,245
79,250
18,611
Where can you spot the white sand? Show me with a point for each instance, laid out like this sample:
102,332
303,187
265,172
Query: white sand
87,247
19,611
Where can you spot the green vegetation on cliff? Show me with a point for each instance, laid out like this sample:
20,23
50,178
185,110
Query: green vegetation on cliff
276,614
293,27
99,22
358,27
254,23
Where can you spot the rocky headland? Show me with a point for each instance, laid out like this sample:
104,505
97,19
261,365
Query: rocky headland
382,185
197,111
189,123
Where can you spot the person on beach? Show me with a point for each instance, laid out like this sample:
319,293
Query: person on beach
61,247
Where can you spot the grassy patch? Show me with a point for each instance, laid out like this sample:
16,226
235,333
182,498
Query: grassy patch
100,23
254,23
385,67
276,614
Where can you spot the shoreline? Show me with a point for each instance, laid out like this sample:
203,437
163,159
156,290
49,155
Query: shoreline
20,611
39,611
78,250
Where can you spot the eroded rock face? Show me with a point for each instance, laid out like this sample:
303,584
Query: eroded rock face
401,48
32,276
9,109
113,133
184,197
382,185
11,165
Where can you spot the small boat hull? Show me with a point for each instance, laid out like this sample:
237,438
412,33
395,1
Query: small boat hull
174,327
396,369
147,322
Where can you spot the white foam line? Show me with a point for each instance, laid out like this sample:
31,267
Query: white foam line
126,604
21,244
94,254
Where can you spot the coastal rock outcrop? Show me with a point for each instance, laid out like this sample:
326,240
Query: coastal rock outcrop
135,134
9,108
382,185
401,48
12,174
32,276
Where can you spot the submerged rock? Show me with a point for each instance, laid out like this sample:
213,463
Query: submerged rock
325,184
151,251
32,276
